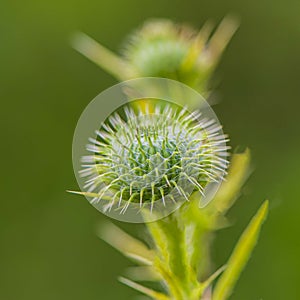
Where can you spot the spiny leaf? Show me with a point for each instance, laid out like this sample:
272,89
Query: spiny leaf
197,46
87,194
195,224
169,239
149,292
94,196
240,255
229,190
101,56
222,37
171,254
143,273
212,277
126,244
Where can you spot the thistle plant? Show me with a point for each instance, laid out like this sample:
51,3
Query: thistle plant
151,152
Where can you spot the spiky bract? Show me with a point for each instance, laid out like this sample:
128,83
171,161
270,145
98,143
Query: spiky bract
145,157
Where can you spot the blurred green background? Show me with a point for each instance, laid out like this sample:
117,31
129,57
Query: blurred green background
48,246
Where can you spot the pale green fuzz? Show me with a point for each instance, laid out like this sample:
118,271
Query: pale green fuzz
147,157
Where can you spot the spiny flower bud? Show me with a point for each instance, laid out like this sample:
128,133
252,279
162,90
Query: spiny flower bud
160,154
162,48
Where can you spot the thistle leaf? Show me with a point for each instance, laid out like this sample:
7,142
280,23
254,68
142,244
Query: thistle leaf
195,225
212,278
229,190
149,292
143,273
126,244
170,243
222,37
240,255
172,255
87,194
197,46
101,56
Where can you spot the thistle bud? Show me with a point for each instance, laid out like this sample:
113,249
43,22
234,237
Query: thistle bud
148,155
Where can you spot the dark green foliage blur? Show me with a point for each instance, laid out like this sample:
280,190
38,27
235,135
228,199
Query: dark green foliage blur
48,244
